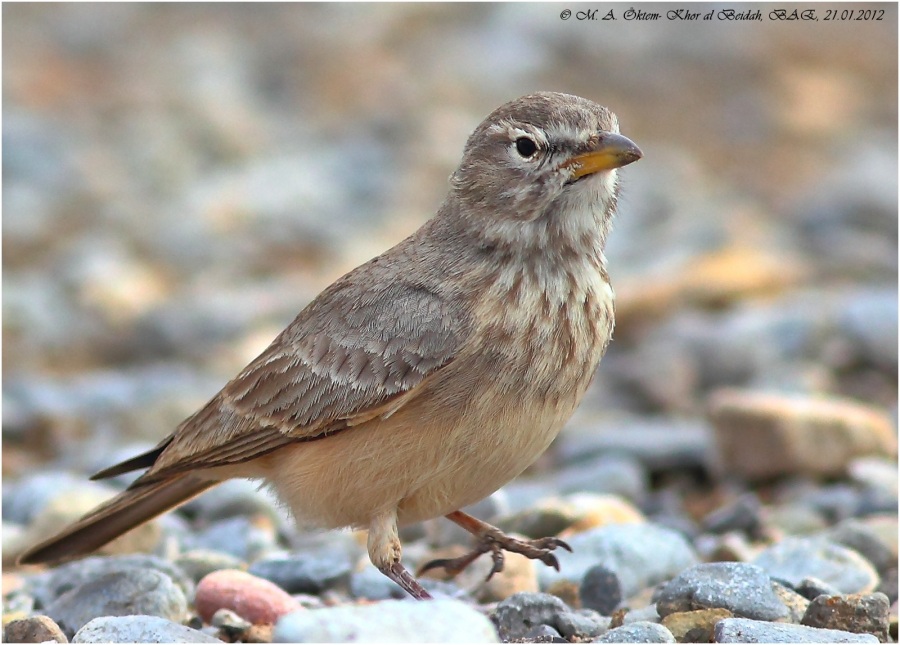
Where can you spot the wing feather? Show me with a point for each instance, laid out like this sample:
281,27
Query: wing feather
345,359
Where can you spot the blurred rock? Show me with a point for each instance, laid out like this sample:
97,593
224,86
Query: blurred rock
765,435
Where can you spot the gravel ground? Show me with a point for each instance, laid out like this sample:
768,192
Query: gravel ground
179,180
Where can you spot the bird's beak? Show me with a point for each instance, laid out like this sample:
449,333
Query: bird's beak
612,151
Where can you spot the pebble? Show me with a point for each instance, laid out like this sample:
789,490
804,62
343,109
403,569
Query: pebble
743,589
762,435
639,632
243,537
582,624
812,587
198,563
795,602
641,555
694,626
254,599
310,573
230,625
743,514
26,497
139,629
35,629
438,621
868,541
600,590
657,443
857,613
50,585
796,558
122,593
745,630
519,613
610,474
543,634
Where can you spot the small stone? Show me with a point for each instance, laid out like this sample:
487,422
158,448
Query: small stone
53,583
768,435
258,601
794,559
812,587
857,613
516,615
743,514
543,634
567,591
230,624
139,629
122,593
639,632
36,629
641,555
582,624
744,630
244,537
694,626
743,589
310,573
571,514
437,621
201,562
600,590
857,535
795,602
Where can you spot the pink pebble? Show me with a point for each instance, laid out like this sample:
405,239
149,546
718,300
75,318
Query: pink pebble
254,599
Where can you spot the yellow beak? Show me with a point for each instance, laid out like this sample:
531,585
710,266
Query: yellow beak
613,151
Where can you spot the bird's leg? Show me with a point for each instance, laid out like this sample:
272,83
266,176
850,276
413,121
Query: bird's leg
384,552
490,539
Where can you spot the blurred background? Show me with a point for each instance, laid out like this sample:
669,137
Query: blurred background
180,180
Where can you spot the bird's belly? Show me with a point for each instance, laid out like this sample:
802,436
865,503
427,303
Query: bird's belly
431,457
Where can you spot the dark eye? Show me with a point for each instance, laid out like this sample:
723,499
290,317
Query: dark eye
526,147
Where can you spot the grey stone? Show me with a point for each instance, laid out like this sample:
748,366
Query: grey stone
743,589
639,632
543,634
438,621
600,590
744,630
305,572
641,555
123,593
794,559
863,539
519,613
811,587
614,474
51,584
139,629
25,498
246,538
198,563
581,624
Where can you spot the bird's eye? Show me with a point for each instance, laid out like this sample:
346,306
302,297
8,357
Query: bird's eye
526,147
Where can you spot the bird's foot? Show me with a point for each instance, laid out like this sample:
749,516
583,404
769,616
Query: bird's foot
492,540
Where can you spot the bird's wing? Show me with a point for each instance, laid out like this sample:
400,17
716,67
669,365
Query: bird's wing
353,354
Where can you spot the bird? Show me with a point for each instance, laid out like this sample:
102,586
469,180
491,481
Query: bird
427,378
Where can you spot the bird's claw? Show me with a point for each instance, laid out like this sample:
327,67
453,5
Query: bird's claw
540,549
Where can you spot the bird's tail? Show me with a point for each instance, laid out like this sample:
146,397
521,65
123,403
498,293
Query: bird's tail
119,515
